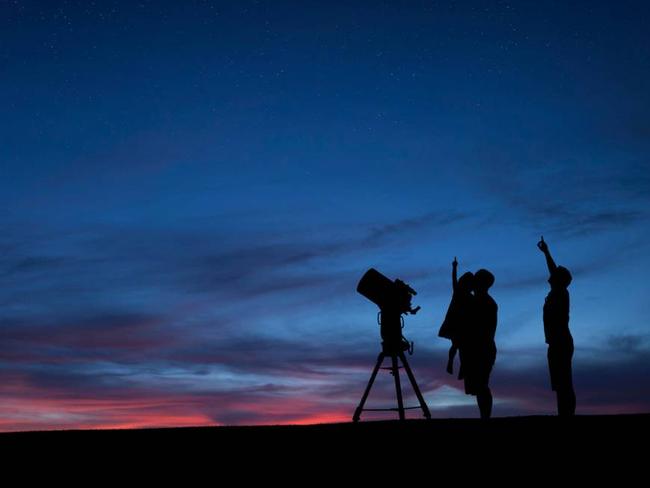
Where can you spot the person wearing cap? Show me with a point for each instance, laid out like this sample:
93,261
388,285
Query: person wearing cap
557,334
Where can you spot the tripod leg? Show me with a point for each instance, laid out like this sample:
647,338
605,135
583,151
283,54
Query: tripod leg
398,388
423,404
357,412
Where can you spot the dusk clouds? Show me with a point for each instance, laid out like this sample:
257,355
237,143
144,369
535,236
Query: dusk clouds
184,223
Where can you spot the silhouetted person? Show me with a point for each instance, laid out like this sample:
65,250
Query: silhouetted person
557,334
481,345
471,323
458,318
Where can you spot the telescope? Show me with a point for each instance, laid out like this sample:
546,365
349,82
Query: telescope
393,297
386,293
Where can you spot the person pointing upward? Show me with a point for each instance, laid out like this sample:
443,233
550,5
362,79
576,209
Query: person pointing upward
557,334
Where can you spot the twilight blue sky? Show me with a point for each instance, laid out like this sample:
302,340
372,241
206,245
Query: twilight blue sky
189,192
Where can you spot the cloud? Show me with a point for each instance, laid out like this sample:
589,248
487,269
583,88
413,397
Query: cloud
113,337
101,264
410,225
607,379
31,265
268,380
630,344
144,327
556,193
569,221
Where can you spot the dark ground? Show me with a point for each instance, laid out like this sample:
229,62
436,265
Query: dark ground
585,447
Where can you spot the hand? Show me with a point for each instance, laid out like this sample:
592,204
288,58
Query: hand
454,263
542,245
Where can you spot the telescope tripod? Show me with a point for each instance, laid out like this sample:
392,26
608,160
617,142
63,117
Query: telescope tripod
394,369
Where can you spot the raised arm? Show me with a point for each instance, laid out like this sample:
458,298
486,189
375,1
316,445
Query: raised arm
549,260
454,274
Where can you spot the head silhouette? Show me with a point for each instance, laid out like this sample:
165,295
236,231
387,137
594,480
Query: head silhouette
483,280
466,282
560,278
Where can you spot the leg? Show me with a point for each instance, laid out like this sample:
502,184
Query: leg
554,375
398,388
570,393
484,394
357,412
484,401
559,361
566,402
572,402
409,373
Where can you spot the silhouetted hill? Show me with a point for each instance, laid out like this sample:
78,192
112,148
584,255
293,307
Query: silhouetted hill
585,445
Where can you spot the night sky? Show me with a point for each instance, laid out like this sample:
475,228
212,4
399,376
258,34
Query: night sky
190,191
